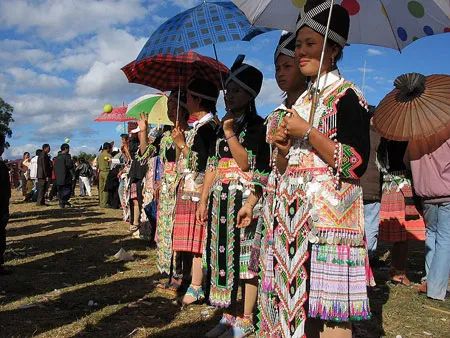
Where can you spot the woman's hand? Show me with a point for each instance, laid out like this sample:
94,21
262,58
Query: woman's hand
201,215
244,216
281,140
295,125
178,137
228,123
143,123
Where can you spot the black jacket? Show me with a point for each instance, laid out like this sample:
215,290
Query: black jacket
64,169
84,170
44,166
5,187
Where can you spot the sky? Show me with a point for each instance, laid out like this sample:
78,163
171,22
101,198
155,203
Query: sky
60,64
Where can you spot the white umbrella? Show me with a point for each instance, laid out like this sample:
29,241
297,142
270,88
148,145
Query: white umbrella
388,23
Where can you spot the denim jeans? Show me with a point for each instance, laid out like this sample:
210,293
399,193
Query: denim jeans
437,248
371,226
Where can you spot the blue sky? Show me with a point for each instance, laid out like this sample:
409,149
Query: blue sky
60,63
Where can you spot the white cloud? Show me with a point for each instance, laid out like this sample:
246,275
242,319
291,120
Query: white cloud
270,95
64,20
374,52
185,4
27,78
365,69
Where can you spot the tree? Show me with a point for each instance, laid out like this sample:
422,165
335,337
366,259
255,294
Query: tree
86,156
6,111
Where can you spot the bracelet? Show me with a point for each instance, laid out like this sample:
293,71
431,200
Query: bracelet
306,136
183,146
226,139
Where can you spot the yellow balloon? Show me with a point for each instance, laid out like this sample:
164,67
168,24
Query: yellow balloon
107,108
299,3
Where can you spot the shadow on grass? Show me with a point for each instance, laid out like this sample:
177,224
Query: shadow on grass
68,307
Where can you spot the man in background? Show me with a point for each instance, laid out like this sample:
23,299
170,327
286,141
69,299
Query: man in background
44,174
5,195
64,175
104,165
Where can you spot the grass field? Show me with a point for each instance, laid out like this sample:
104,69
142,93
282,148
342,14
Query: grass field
66,284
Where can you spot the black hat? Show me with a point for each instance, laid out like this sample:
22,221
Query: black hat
286,45
203,89
315,15
246,76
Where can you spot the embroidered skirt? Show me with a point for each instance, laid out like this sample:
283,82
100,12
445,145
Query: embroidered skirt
165,218
399,218
188,235
230,247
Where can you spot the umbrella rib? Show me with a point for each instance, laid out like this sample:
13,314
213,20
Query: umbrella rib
390,25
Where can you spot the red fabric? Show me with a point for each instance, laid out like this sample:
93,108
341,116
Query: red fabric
118,114
188,236
400,221
169,72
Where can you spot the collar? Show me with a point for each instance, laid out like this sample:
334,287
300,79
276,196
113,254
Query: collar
208,117
325,80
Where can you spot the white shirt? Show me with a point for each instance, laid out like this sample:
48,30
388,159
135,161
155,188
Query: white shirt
33,168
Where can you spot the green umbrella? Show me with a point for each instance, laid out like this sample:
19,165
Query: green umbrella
152,105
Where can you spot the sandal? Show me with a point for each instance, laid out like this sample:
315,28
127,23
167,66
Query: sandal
243,327
197,294
422,287
399,277
225,323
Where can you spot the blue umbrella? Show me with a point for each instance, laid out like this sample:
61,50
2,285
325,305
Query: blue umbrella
205,24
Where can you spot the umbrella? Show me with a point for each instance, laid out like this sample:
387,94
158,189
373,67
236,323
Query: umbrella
154,105
173,72
388,23
206,24
417,108
116,115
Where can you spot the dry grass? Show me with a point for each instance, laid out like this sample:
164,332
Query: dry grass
62,260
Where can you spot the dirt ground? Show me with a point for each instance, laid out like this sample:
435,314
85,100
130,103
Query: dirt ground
65,283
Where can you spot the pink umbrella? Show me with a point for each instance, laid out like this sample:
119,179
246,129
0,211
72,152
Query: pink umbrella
118,114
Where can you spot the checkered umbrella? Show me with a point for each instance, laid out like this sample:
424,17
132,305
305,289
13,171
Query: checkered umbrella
205,24
171,72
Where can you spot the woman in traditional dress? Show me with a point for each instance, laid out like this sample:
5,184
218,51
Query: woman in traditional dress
292,83
400,220
27,184
236,166
319,262
167,262
194,146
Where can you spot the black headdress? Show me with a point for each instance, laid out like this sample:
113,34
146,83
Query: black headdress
315,16
246,76
286,45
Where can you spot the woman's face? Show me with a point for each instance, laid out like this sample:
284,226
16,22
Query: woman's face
308,48
27,156
236,98
192,103
287,74
172,105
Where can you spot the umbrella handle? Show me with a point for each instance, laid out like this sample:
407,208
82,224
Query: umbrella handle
315,96
220,73
178,103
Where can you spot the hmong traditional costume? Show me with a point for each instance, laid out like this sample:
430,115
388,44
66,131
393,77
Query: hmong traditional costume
166,203
399,218
318,219
188,235
230,247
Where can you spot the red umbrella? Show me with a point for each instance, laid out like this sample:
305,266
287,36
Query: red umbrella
118,114
171,72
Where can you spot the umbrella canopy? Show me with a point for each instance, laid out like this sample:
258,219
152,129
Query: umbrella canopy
171,72
205,24
417,108
388,23
154,106
116,115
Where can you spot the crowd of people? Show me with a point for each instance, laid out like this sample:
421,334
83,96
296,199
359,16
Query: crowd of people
290,207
